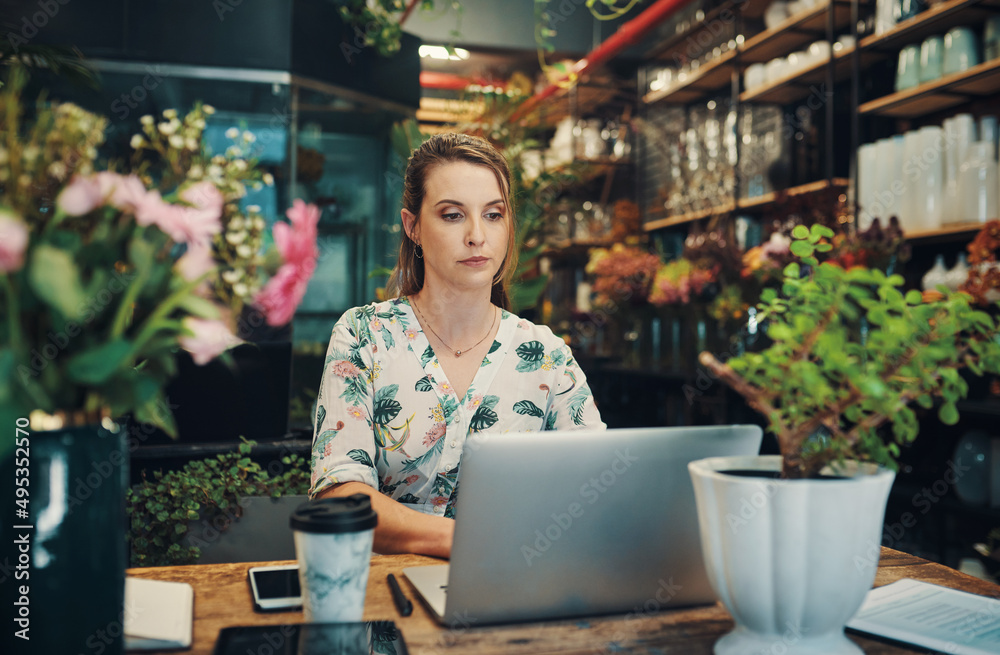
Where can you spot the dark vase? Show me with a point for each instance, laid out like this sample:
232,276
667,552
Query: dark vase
66,572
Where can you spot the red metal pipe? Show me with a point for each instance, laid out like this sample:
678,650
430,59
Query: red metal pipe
436,80
409,10
626,35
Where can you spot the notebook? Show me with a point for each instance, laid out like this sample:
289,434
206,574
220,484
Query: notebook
576,523
158,614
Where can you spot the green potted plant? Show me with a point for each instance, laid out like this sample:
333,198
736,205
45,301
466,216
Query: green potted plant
107,270
176,516
791,542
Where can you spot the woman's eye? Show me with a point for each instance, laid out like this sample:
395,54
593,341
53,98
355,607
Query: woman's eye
451,216
495,216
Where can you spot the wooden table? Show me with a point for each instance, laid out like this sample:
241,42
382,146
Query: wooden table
222,599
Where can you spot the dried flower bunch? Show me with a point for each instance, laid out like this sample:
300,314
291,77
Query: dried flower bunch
622,273
983,283
103,275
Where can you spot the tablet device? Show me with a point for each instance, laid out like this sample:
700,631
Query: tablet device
362,638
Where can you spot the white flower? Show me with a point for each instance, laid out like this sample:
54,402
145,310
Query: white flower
236,238
254,209
236,224
208,109
170,113
233,151
240,289
232,133
218,159
233,276
244,251
191,143
249,137
199,123
167,128
268,179
239,190
240,164
57,169
176,141
137,141
215,171
196,172
31,153
146,120
258,224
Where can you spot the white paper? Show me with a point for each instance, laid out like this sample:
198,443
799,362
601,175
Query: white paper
158,614
932,616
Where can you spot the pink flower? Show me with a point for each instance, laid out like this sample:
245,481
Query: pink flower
411,334
81,196
125,193
297,244
196,262
354,411
345,369
439,501
13,242
434,434
475,401
375,325
207,340
194,224
413,478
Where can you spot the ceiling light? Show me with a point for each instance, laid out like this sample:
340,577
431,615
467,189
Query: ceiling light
441,52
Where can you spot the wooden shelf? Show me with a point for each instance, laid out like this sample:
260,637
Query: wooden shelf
680,43
936,20
803,83
697,84
797,31
949,91
756,202
812,187
942,234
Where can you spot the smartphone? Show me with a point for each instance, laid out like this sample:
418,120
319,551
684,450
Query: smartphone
275,588
312,639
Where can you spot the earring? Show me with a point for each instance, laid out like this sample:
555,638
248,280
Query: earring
418,250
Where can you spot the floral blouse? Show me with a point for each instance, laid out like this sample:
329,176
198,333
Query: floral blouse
388,417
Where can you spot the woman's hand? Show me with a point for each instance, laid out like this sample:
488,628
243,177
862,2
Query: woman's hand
401,529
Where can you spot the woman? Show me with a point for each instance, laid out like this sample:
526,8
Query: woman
410,382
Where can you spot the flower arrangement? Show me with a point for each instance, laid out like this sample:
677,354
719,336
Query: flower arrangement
622,274
679,281
105,274
983,281
851,351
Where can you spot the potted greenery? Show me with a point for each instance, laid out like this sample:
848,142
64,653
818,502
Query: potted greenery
791,542
179,515
107,270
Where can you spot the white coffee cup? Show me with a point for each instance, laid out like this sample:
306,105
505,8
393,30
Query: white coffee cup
333,544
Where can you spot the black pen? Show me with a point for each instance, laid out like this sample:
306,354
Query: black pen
403,603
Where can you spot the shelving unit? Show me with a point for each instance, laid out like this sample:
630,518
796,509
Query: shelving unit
950,91
801,84
936,20
757,202
795,32
954,232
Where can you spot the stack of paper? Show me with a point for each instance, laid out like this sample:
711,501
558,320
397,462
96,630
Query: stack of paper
158,614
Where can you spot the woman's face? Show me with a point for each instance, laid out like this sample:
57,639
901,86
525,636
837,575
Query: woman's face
463,226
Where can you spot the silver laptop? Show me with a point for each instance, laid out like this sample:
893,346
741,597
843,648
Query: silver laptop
559,524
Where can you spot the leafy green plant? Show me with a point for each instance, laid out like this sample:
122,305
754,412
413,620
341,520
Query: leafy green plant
161,509
378,21
851,352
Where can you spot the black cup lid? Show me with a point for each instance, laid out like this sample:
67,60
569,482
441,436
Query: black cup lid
335,515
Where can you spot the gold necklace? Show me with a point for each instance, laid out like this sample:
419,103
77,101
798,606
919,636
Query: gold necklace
458,353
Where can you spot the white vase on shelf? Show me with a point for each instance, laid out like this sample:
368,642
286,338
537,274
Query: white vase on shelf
957,274
931,191
936,276
978,183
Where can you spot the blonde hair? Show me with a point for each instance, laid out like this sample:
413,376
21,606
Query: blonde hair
408,276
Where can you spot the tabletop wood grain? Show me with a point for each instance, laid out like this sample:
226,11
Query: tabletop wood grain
222,599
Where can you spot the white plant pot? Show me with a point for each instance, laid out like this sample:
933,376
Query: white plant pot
791,560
